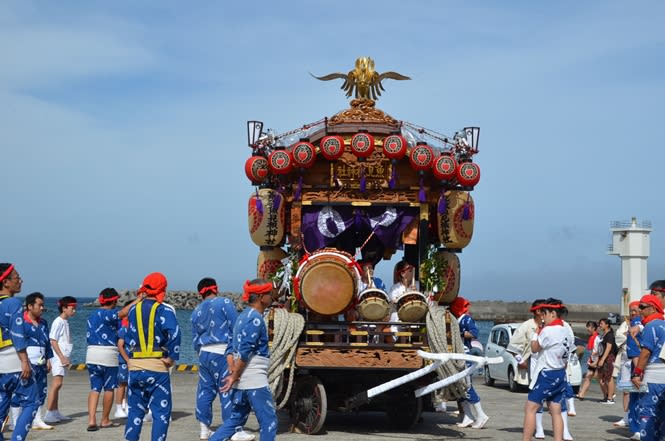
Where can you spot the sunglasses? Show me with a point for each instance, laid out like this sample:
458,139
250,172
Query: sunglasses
645,306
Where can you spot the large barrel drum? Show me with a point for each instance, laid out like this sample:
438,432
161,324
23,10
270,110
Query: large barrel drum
327,281
455,225
266,218
448,267
268,262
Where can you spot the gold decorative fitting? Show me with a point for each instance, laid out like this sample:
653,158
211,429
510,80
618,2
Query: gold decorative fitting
363,79
363,111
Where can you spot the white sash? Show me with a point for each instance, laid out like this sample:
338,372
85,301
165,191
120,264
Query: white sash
102,355
255,374
9,361
36,354
219,348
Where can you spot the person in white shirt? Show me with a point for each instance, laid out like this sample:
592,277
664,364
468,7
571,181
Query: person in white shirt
61,343
552,343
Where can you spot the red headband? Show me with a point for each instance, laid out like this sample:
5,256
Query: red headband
545,306
107,300
407,267
7,273
65,305
652,289
248,289
207,289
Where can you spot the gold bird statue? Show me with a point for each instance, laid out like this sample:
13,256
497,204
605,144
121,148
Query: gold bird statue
364,79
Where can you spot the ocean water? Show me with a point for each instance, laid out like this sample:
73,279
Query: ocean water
77,326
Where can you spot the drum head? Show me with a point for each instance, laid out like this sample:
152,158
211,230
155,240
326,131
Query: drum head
327,286
412,307
373,305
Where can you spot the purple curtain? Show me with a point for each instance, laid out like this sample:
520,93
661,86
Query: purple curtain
321,226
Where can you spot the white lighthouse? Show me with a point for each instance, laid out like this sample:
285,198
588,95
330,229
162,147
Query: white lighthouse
630,241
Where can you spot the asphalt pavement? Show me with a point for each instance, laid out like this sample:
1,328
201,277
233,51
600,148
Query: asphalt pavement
505,408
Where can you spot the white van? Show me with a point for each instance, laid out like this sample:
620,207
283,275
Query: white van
497,342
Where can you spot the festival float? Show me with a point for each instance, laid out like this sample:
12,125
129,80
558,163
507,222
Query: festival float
361,185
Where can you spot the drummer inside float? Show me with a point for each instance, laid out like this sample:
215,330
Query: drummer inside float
367,273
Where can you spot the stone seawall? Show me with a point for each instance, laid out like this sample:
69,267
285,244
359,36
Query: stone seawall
179,299
504,312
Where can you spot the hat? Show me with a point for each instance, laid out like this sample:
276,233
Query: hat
459,306
153,284
634,304
654,301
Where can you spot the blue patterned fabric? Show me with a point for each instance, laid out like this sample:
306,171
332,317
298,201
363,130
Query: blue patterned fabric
24,394
12,387
244,400
102,377
633,343
212,370
468,324
167,332
550,386
653,339
212,322
11,322
102,327
250,335
148,390
651,412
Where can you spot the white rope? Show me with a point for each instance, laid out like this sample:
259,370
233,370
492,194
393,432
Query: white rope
287,328
475,360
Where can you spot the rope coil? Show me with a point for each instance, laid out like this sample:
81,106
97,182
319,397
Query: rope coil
436,320
287,327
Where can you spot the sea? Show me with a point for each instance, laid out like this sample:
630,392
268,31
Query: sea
77,326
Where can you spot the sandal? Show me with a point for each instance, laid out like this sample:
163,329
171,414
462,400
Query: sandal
92,428
110,425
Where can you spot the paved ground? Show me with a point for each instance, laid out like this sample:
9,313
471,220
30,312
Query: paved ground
593,421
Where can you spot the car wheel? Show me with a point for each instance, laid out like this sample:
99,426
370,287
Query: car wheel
488,379
512,384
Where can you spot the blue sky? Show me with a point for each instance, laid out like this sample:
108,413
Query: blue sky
123,134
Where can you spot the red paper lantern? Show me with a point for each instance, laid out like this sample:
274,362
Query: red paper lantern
304,154
421,157
444,168
332,147
468,174
394,147
362,145
280,162
256,169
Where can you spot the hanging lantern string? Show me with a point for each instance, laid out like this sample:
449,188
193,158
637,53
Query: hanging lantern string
444,139
303,128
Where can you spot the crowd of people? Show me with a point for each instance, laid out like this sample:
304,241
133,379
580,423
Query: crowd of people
133,348
633,358
136,346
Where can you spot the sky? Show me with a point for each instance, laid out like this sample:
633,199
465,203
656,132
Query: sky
123,130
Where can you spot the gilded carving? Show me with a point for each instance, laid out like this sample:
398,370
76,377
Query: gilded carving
363,111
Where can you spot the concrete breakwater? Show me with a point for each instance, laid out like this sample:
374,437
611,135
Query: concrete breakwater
186,300
504,312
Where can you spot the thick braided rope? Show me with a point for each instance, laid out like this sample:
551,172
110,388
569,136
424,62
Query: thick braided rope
438,342
287,328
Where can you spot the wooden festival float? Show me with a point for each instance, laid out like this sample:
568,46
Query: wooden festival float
360,184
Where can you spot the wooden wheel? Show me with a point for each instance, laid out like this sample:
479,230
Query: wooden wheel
404,409
309,404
